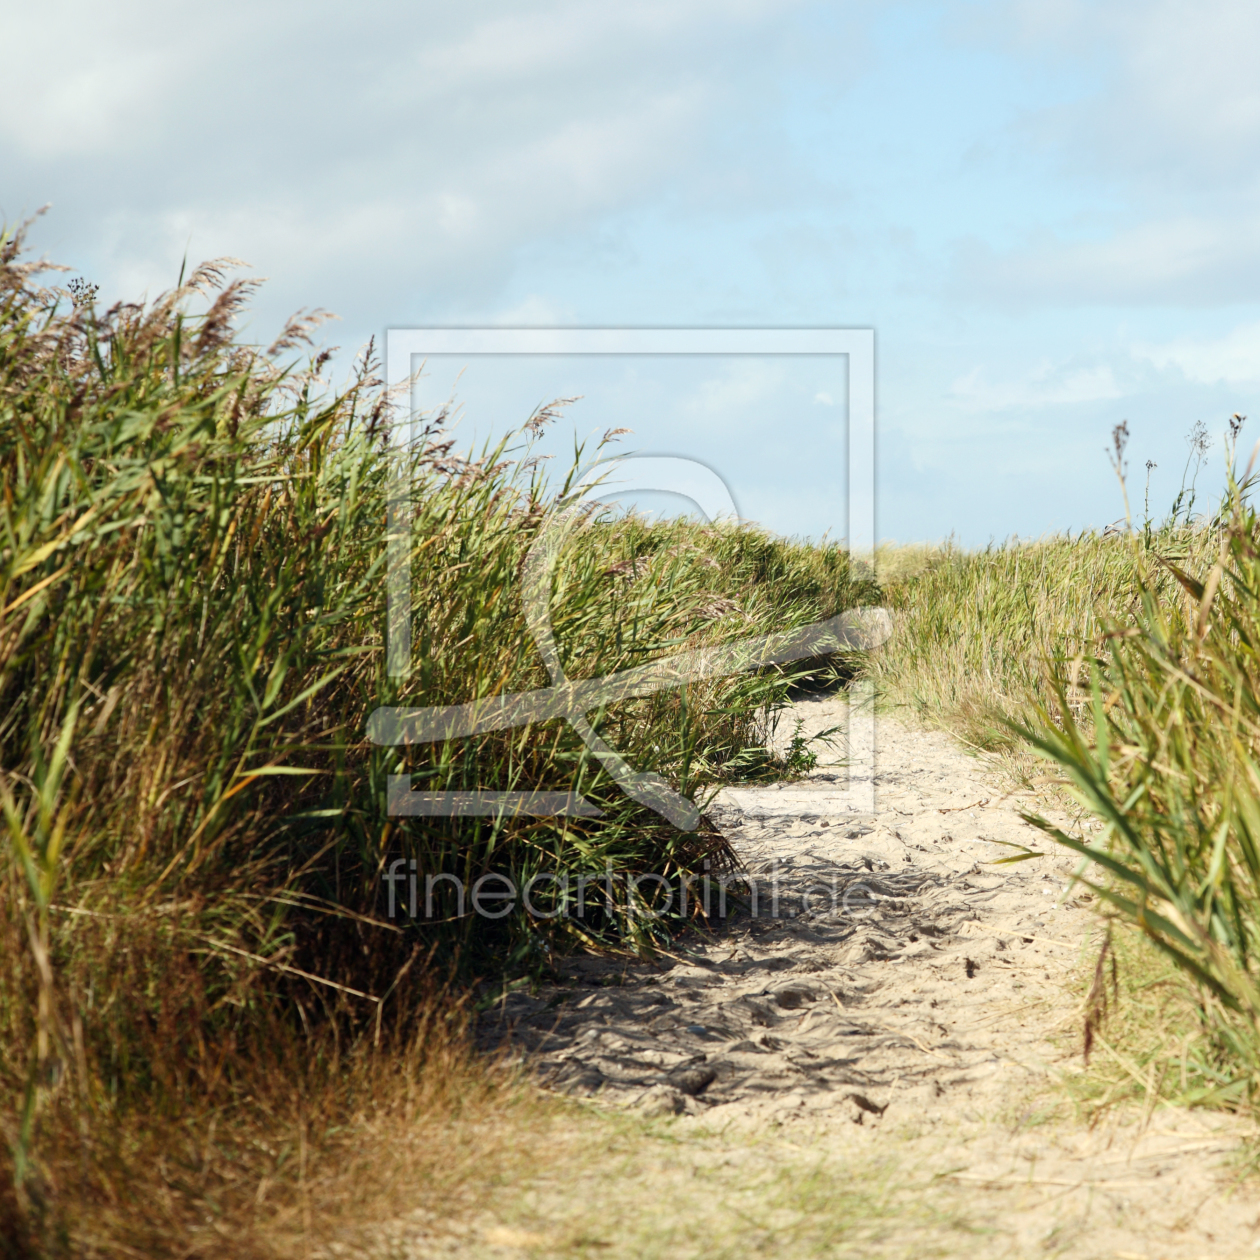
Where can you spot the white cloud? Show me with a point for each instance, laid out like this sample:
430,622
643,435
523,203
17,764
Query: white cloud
402,152
1232,359
741,386
84,79
535,311
1047,385
1188,260
1159,137
1177,83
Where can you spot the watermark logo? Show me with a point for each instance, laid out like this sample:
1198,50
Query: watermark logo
572,700
571,895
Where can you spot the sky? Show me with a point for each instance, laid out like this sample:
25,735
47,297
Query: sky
1048,211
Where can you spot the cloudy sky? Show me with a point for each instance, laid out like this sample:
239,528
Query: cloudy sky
1048,211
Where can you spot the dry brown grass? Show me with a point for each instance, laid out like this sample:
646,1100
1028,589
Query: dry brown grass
305,1147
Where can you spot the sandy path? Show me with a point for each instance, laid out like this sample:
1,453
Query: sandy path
907,1002
899,969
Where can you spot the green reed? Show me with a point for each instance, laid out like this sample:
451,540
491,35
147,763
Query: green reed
1167,760
1126,660
192,606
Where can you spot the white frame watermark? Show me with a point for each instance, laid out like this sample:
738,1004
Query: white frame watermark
395,725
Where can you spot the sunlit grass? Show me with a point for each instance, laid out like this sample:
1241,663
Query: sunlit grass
192,603
1125,665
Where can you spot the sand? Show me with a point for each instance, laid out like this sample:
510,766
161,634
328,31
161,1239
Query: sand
904,1002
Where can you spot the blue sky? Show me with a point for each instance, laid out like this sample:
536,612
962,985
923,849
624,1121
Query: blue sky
1048,211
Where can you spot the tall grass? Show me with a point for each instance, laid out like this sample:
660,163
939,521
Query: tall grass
973,628
1168,762
1128,661
191,616
977,630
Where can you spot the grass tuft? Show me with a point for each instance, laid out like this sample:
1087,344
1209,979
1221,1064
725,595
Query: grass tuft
1127,661
196,948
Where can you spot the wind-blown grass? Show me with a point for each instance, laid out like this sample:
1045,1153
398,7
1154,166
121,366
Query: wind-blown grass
975,629
1168,762
192,601
1127,661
